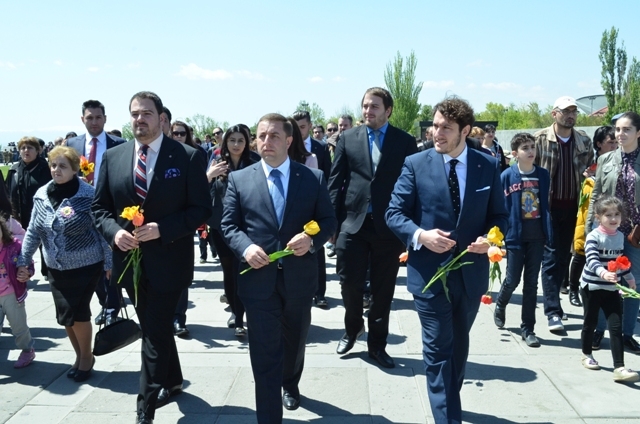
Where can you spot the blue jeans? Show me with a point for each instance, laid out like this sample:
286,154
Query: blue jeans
630,306
555,262
527,257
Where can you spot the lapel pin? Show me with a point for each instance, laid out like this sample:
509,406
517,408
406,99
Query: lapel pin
297,175
172,156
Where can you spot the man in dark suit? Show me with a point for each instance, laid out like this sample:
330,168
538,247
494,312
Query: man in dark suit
92,145
170,185
445,201
321,151
265,210
367,162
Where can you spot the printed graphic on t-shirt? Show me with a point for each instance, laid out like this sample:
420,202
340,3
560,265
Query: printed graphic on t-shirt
530,196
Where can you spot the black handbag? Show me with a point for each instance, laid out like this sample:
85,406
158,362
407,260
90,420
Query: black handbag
116,335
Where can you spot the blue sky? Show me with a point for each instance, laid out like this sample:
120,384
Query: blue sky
237,60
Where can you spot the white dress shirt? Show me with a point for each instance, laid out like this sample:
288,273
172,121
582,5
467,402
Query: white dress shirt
307,143
461,172
101,148
152,156
284,169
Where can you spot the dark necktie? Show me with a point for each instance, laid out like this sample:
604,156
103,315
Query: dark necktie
92,157
454,187
277,194
141,173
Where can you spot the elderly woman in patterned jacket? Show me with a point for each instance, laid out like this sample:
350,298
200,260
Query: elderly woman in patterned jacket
75,253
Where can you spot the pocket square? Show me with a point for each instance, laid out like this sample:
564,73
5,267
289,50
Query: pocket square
483,188
171,173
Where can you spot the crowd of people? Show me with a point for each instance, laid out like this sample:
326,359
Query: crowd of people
364,192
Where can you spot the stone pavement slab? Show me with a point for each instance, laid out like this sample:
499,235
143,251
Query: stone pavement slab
506,381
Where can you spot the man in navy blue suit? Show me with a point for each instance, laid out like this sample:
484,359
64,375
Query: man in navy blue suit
446,200
265,210
92,145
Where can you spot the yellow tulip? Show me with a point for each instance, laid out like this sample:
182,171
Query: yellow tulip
495,237
312,228
129,212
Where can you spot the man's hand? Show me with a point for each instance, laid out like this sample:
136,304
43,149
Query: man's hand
480,246
22,274
255,257
436,240
125,240
300,244
147,232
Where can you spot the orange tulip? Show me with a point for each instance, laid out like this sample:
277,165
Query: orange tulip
138,219
404,256
495,254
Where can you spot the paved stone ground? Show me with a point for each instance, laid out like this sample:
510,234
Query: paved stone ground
506,381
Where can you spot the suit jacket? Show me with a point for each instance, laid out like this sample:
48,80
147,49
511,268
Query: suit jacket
421,199
324,158
353,185
177,200
250,218
78,143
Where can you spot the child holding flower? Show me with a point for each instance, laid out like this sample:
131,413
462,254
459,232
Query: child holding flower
598,285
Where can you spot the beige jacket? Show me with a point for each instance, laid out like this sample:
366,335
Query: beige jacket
547,154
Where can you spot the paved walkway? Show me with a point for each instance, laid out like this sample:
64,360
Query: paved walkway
507,382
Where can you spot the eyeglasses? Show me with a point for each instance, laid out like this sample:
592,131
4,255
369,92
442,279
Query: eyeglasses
217,133
332,129
179,133
569,112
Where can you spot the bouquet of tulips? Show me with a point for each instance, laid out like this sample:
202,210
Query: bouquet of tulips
622,263
133,214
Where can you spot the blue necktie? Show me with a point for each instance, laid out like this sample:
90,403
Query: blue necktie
141,173
277,194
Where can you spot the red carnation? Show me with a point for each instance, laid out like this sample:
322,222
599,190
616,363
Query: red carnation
623,263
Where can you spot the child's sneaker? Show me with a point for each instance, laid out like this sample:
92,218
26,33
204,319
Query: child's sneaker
591,364
25,358
624,375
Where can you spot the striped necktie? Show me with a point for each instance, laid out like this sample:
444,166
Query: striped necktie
141,173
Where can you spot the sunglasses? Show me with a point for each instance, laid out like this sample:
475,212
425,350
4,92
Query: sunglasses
179,133
332,129
217,133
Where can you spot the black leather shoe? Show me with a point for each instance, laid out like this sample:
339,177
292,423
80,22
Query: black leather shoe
290,402
346,342
321,302
631,345
72,373
180,330
498,317
574,298
142,418
382,357
165,394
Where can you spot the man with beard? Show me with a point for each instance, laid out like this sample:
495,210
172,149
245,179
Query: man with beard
167,180
566,153
445,200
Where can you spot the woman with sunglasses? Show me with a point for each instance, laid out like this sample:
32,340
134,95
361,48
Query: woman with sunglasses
234,155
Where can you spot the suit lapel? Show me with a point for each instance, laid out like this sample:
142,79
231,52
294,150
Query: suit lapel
474,180
125,168
387,148
263,192
363,140
294,183
439,174
163,162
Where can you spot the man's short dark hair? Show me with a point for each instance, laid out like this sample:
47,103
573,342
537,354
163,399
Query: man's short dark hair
276,117
148,95
92,104
332,123
350,118
387,99
167,112
315,127
70,134
299,115
520,138
117,133
490,128
456,109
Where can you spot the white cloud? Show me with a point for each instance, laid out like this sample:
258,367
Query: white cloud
537,89
478,64
93,69
471,85
502,86
338,79
194,72
251,75
133,65
316,79
57,62
7,65
438,84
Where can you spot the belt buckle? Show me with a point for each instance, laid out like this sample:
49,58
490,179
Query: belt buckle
279,265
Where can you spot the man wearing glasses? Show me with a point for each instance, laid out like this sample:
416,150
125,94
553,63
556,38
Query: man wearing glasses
318,132
565,152
332,128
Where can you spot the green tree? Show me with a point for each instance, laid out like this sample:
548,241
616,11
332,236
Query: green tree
127,131
400,78
316,112
203,125
426,113
614,67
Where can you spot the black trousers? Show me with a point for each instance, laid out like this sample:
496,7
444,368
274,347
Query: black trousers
322,273
160,362
278,328
611,304
353,254
230,270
